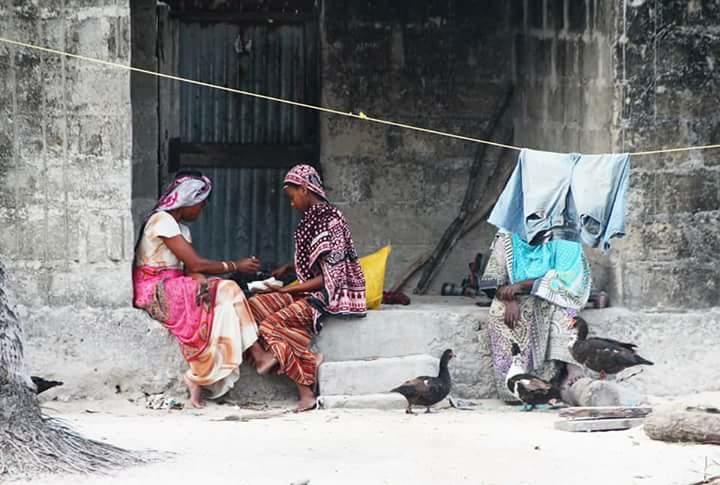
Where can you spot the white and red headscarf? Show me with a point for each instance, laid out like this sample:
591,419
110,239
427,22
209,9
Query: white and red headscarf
184,191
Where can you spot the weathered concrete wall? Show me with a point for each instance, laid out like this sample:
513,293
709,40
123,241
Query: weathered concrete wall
441,65
563,66
65,210
669,81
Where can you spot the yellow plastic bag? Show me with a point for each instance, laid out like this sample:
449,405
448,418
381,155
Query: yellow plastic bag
373,266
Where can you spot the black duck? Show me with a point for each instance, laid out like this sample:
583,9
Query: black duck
529,389
603,355
425,390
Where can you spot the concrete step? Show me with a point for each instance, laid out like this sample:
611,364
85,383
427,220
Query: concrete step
357,377
395,331
389,400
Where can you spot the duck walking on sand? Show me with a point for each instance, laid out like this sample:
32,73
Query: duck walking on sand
603,355
425,390
529,389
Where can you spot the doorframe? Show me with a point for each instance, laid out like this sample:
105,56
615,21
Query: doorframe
173,154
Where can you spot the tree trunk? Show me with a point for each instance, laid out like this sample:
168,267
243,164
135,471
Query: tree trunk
31,443
691,423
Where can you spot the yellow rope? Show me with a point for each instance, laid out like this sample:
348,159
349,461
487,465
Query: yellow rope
359,116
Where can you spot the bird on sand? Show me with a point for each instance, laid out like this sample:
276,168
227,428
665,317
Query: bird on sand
529,389
425,390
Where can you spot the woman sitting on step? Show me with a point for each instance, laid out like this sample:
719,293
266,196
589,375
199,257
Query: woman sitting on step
541,287
331,282
209,317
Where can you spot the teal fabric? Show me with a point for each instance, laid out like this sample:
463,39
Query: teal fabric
559,267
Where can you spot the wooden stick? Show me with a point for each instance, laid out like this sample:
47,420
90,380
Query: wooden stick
250,417
605,412
483,213
469,203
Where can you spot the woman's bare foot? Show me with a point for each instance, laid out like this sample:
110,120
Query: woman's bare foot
264,360
195,394
307,402
266,364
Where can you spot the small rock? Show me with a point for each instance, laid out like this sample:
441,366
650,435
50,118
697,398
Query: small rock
301,482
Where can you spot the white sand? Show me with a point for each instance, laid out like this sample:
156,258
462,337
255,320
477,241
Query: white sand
492,445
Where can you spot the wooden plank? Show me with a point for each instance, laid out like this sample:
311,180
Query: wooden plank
252,18
606,412
168,91
588,425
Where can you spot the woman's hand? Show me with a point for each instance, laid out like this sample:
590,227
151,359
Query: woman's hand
282,271
199,277
512,313
507,292
248,265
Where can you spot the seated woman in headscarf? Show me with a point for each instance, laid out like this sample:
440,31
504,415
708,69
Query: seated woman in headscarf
542,286
209,317
331,282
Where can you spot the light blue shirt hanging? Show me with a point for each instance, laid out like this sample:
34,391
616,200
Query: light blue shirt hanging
577,197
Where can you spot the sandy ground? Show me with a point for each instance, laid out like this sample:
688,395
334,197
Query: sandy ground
492,444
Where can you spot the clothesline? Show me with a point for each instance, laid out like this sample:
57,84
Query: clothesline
360,115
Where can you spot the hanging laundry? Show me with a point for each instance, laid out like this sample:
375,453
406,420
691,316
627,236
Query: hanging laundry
598,187
573,196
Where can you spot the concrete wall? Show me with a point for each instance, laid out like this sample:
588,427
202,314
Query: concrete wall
65,137
438,64
668,76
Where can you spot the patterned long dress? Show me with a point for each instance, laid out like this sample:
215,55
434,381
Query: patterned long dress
212,322
543,331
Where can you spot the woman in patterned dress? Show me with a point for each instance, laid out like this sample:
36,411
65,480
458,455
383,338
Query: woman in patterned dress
541,287
209,317
330,282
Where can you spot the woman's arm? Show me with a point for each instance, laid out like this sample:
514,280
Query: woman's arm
314,284
194,263
283,270
509,292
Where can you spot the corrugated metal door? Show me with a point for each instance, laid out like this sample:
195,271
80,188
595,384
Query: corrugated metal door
244,144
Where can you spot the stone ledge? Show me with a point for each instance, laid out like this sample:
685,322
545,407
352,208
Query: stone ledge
94,350
357,377
367,401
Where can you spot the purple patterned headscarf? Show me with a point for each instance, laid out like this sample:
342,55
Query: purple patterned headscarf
306,176
184,192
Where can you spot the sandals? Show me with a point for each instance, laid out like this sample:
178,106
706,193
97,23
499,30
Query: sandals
310,408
